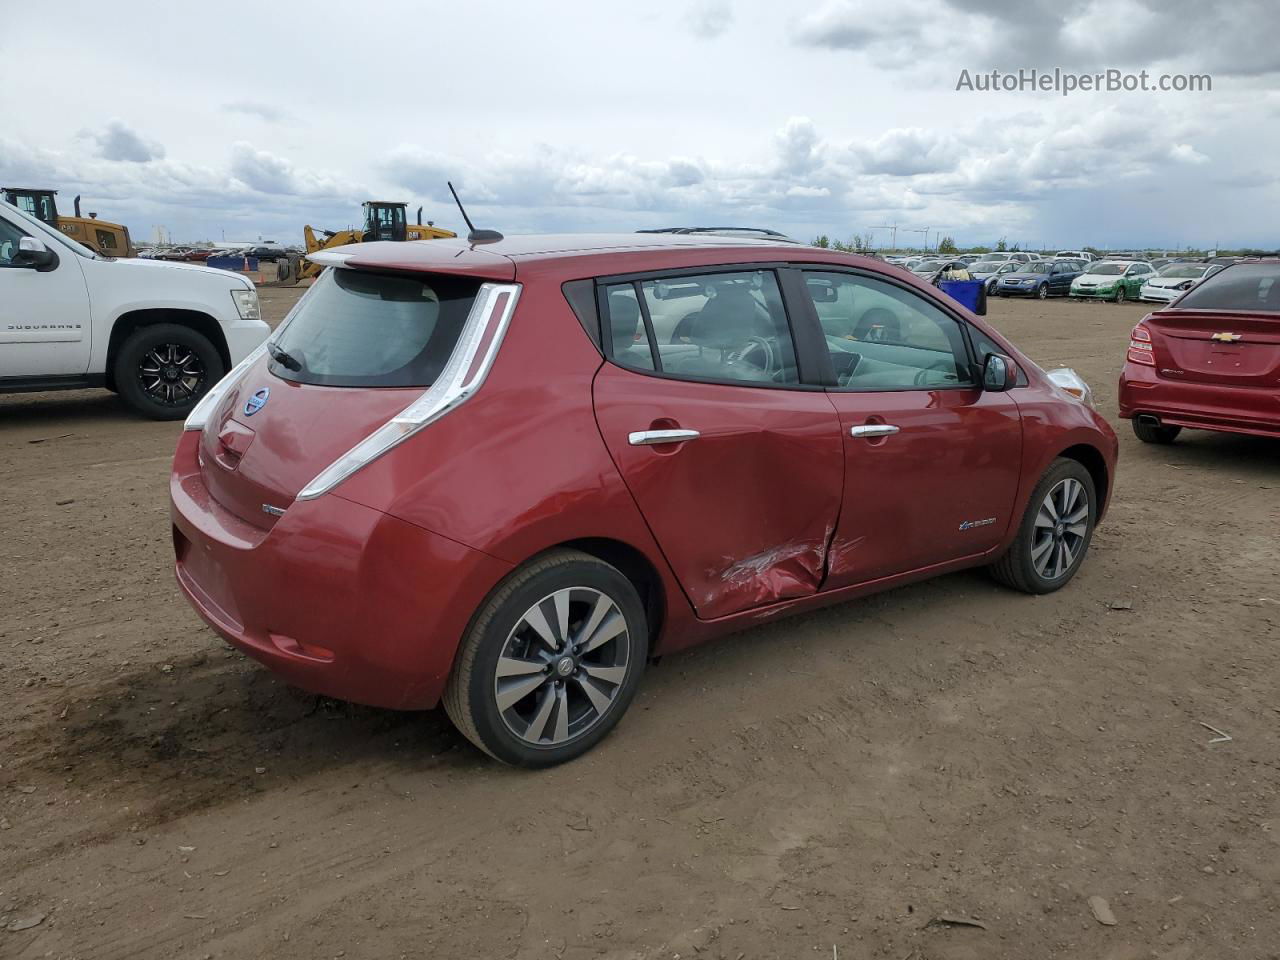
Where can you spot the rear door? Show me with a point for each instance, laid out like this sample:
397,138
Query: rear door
1134,278
1063,274
735,464
931,460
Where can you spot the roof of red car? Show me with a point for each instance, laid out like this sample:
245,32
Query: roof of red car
499,258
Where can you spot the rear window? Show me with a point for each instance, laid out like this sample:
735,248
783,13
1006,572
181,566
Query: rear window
1245,286
358,329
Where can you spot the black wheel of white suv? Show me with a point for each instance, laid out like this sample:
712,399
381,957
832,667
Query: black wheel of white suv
1054,533
551,661
163,370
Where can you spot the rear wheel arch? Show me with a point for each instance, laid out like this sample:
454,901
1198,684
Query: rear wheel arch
629,561
636,567
127,324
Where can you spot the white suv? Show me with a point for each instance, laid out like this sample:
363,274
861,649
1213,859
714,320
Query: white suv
159,334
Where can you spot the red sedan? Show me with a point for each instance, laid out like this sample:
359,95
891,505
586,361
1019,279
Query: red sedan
506,476
1210,360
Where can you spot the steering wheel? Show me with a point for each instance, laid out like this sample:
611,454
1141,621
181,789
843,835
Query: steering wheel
756,351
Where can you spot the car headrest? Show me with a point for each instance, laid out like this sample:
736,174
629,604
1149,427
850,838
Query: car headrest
878,323
728,319
624,318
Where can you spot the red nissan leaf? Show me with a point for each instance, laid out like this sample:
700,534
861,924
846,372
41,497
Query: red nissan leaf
1210,360
504,476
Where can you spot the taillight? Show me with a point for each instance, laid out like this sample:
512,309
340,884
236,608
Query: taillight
1140,347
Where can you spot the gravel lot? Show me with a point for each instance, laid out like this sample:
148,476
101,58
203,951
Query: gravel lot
842,784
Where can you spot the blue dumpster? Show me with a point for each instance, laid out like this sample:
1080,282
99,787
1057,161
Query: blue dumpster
232,263
967,292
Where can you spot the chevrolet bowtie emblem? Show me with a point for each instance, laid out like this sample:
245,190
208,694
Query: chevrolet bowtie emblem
1226,337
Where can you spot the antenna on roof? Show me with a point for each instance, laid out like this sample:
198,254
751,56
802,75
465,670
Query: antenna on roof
475,236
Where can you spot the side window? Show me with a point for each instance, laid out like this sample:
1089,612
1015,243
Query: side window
9,237
630,345
883,337
719,326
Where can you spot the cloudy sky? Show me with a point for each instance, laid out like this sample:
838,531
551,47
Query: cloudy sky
239,122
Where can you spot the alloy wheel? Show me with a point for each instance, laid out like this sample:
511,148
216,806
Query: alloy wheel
171,374
562,666
1043,292
1061,527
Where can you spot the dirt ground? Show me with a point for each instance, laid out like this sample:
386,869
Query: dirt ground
949,771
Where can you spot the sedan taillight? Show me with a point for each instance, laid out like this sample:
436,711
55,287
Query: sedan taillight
1140,347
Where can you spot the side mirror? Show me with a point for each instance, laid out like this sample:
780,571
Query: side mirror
33,254
999,373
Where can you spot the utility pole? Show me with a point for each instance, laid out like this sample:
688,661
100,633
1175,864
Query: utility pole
924,231
889,226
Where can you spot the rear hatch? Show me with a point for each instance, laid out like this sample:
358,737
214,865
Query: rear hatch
1226,330
358,350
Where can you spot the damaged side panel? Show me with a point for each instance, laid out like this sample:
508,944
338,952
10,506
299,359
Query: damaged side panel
745,511
779,573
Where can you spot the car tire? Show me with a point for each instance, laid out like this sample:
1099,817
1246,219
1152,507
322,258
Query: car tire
1155,433
1050,547
162,370
519,700
1119,297
1042,291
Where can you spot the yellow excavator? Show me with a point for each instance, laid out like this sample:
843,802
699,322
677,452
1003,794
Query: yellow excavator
383,220
108,239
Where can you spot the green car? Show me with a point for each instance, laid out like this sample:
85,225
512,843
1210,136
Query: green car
1117,280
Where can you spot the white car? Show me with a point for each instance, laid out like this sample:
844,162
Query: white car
156,332
989,271
1175,279
1074,255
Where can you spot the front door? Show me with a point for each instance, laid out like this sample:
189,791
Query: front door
44,314
931,460
736,467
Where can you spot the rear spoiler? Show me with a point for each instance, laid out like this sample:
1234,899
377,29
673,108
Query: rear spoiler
329,258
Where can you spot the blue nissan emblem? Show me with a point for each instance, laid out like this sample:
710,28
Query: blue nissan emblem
257,400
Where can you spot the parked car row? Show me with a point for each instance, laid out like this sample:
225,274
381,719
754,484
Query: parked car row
264,252
1114,280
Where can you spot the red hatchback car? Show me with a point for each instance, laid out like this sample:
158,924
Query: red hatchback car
1210,360
506,476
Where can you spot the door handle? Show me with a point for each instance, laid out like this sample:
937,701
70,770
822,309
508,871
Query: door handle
645,438
873,430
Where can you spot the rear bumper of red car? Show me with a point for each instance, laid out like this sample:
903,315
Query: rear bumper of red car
1199,406
336,598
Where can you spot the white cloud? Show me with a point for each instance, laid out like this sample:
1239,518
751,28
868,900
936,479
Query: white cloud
263,111
1185,153
118,142
709,18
